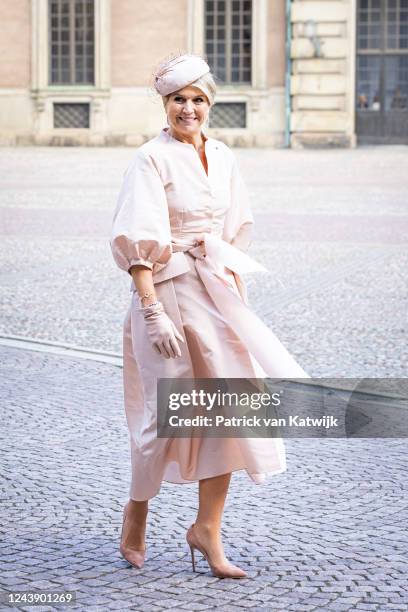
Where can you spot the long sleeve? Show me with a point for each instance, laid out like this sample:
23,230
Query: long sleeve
239,220
141,229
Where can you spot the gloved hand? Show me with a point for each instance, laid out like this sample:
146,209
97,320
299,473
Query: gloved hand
162,332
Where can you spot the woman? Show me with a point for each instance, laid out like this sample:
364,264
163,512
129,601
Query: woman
180,229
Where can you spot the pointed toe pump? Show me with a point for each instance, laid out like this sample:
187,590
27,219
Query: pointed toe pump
220,570
131,555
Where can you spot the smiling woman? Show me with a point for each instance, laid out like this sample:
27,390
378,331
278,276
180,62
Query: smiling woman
181,228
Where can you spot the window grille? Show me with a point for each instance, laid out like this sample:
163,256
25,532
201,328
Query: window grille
228,39
71,42
71,115
228,115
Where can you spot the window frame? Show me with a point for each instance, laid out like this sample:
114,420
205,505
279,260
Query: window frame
259,44
228,40
72,55
40,52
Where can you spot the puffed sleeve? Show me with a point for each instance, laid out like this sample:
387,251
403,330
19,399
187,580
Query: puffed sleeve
239,220
140,232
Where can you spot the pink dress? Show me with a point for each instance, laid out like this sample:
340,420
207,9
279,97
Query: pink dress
167,204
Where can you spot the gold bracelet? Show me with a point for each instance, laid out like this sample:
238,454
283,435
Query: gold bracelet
145,296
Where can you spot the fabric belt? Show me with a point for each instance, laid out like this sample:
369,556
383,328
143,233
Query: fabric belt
219,252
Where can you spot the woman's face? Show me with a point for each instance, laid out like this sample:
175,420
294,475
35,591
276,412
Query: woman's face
187,110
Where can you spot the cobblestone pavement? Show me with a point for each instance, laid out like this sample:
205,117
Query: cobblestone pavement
327,534
330,532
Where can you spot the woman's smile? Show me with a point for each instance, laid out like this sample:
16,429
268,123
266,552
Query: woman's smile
188,120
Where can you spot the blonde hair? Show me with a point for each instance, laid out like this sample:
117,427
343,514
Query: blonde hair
207,85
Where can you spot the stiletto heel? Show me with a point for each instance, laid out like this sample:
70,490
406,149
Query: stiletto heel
132,556
226,570
192,557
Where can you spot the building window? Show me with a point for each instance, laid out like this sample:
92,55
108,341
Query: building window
71,42
71,115
228,115
228,39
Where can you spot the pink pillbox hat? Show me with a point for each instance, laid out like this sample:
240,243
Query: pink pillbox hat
178,73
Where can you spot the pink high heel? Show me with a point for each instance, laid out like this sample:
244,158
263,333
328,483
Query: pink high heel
132,556
226,570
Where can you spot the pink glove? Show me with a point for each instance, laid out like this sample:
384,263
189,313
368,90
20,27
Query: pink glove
162,332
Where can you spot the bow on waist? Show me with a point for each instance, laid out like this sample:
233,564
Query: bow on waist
211,251
219,252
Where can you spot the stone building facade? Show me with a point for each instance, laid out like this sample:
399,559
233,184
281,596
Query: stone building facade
322,81
290,72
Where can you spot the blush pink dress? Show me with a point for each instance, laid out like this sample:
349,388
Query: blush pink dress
167,204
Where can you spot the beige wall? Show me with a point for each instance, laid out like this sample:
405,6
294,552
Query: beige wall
276,42
15,43
143,33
